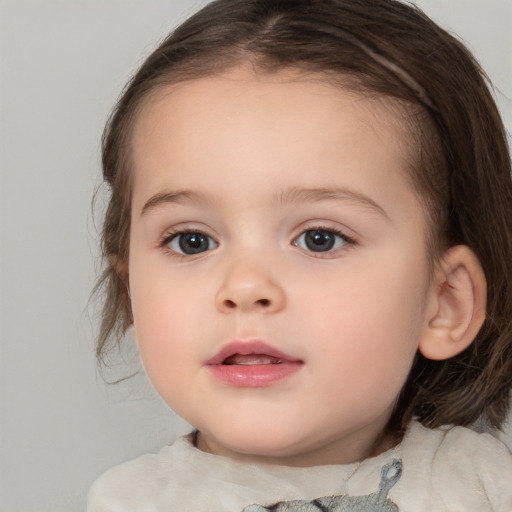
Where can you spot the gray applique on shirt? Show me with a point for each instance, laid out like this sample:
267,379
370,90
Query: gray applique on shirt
375,502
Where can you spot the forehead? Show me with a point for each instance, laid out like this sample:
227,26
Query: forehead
242,120
219,96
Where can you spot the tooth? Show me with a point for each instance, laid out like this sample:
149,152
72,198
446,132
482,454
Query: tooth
251,359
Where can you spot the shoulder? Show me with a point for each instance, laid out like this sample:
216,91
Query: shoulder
138,482
476,453
459,445
463,467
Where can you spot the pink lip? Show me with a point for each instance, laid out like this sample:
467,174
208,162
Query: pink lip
255,375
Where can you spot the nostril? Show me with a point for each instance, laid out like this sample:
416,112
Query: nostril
229,304
263,302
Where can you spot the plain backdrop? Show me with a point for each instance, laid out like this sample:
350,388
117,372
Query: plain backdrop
62,65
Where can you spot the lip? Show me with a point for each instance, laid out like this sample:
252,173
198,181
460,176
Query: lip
253,375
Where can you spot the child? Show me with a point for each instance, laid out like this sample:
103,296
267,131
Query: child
310,231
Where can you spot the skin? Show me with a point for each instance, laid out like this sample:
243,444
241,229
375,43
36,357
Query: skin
245,147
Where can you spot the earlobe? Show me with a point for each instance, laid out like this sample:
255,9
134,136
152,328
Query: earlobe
458,301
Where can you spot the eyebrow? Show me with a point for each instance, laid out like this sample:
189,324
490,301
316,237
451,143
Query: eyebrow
288,196
314,195
176,197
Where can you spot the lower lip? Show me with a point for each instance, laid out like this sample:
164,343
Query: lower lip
255,375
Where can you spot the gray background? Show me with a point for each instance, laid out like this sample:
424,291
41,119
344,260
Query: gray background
62,65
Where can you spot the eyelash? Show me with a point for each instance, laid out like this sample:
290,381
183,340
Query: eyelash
169,237
346,240
173,235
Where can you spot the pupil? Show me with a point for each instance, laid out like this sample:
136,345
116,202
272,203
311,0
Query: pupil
318,240
193,243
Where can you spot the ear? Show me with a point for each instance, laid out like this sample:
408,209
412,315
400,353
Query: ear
120,267
457,301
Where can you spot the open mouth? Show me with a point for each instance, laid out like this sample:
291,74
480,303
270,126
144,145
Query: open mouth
251,359
252,364
250,353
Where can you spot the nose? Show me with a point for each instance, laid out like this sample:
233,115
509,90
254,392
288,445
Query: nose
248,287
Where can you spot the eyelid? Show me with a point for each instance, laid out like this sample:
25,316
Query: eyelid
192,227
339,236
349,240
186,227
325,225
182,229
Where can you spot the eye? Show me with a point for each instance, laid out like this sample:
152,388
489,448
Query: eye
321,240
190,243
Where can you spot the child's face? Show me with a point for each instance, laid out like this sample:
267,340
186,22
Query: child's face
273,218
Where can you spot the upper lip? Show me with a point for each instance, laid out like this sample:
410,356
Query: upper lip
246,348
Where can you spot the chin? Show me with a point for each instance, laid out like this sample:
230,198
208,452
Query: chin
260,442
268,447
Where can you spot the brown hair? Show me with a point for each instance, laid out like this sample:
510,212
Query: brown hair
462,170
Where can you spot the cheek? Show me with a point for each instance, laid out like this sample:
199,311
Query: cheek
158,309
370,318
166,344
